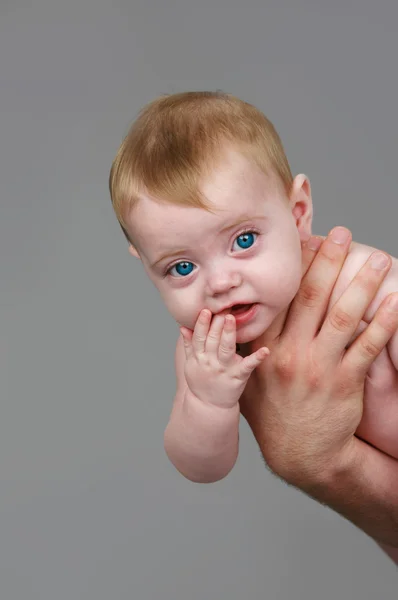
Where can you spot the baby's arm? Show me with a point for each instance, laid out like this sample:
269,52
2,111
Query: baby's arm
201,438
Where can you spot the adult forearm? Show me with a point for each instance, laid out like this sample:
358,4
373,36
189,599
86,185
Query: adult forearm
202,440
390,551
364,490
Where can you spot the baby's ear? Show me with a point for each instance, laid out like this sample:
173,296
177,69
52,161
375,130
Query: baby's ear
301,205
133,251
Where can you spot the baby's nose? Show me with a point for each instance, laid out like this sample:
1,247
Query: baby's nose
222,282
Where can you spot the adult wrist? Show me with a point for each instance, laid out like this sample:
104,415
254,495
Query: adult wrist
362,486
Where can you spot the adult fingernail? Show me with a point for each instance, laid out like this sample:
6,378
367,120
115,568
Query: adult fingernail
379,261
339,235
393,303
314,243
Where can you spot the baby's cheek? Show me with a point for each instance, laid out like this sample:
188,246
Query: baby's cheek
287,279
183,311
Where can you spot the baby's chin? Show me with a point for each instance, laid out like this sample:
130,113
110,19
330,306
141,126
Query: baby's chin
246,337
254,331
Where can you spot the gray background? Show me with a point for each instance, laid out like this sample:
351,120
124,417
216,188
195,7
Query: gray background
90,507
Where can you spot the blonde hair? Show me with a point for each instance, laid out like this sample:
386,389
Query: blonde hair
177,139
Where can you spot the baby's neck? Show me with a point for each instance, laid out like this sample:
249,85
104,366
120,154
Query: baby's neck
267,336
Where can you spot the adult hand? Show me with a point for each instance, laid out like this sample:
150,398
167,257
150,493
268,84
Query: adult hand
305,401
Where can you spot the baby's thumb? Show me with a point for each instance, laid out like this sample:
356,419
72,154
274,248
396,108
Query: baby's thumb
249,363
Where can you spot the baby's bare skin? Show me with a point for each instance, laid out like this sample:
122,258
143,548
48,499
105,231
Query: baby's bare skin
379,423
324,383
305,403
246,251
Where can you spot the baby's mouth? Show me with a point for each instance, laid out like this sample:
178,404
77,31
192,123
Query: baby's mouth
240,308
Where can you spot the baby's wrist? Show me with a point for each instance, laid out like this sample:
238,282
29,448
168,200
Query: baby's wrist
206,404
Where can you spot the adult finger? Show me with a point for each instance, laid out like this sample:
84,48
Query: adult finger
345,316
308,252
362,353
310,303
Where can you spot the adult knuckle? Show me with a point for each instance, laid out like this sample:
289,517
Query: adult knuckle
365,280
387,319
309,294
286,365
330,253
341,320
346,385
368,347
390,325
315,379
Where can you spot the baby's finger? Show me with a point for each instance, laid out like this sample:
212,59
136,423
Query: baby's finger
214,335
186,335
200,332
227,347
369,344
249,363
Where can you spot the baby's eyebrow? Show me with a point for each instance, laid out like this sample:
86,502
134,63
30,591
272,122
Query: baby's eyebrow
168,255
242,219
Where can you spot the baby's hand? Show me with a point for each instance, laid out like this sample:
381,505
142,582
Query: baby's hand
214,372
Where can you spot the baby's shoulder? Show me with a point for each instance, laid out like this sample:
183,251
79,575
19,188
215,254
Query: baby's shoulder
357,257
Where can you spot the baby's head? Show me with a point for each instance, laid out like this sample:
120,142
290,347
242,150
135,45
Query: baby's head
204,194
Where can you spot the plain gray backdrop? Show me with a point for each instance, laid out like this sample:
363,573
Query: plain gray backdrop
90,507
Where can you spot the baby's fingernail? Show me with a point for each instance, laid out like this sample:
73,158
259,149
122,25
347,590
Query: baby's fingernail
379,261
339,235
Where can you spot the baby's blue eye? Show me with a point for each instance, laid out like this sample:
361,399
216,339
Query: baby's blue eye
182,268
246,239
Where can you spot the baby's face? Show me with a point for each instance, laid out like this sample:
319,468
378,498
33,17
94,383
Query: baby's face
248,252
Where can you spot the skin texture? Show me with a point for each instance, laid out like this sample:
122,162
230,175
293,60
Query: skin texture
306,401
201,438
223,272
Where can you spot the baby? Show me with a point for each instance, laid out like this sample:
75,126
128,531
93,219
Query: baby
204,194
